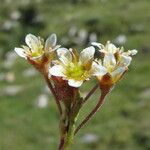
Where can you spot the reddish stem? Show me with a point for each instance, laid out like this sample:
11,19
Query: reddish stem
61,145
53,92
91,114
90,93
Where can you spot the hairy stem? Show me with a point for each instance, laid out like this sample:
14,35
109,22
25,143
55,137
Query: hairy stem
91,114
67,128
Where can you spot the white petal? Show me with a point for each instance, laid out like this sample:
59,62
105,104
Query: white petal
103,51
32,41
74,83
119,71
98,69
111,48
125,60
130,52
99,45
51,41
87,54
56,47
133,52
64,55
20,52
109,60
57,70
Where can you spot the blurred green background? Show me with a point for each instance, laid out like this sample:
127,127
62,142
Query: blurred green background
28,115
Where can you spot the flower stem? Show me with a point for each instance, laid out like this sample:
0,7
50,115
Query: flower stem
53,92
91,114
70,135
90,93
67,128
67,122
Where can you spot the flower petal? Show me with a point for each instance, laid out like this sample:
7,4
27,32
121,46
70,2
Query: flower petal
133,52
64,55
56,47
99,45
111,48
57,70
74,83
87,54
125,60
32,41
20,52
51,41
118,72
98,69
109,60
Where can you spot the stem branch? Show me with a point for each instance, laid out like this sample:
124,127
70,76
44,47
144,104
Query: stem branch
90,93
91,114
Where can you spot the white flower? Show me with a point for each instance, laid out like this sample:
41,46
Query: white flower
76,68
114,67
109,48
116,62
36,47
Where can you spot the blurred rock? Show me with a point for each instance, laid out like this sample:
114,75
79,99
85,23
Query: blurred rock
93,37
30,72
120,39
42,101
90,138
8,25
15,15
82,36
10,77
72,31
10,59
11,90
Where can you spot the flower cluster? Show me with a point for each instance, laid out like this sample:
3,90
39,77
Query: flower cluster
65,70
38,52
115,61
74,67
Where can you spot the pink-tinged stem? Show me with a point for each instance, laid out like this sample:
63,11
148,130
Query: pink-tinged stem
62,144
90,93
53,92
91,114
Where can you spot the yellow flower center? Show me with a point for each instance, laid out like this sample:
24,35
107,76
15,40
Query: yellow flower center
110,68
76,71
38,52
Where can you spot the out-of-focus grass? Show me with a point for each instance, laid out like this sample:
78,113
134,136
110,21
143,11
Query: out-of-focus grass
123,122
